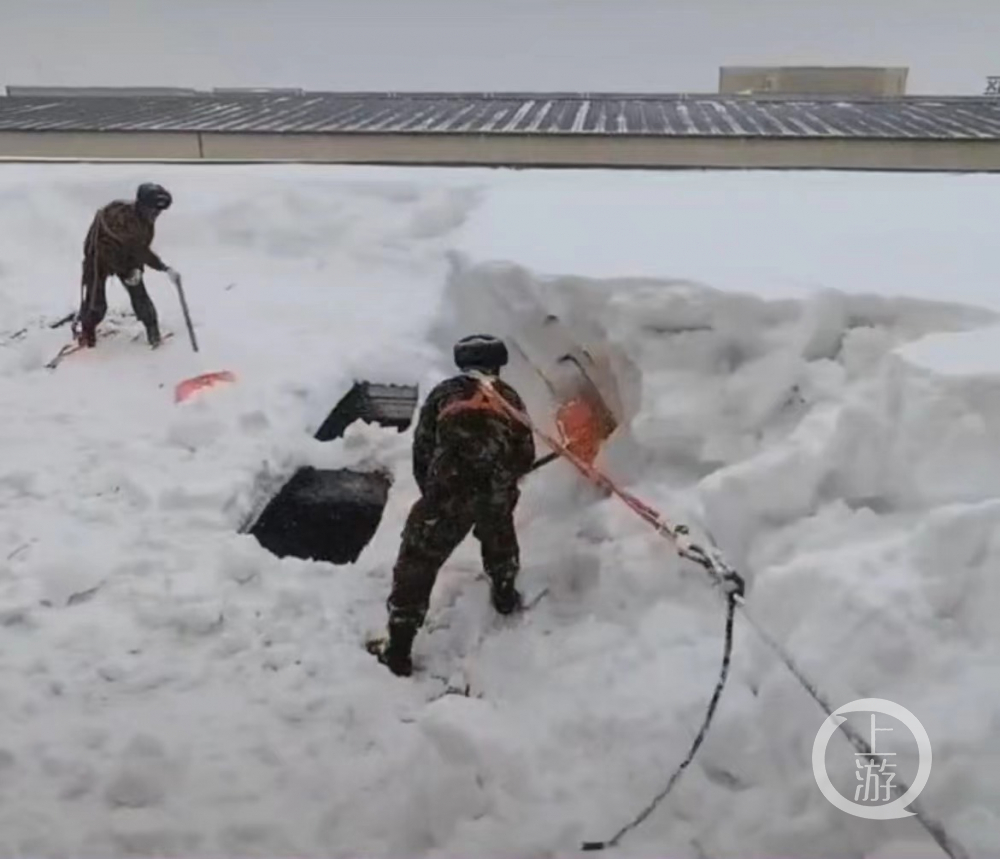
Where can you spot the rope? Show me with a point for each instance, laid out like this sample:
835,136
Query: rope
702,731
725,577
732,584
935,829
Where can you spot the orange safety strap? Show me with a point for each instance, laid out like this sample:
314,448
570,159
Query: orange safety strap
478,402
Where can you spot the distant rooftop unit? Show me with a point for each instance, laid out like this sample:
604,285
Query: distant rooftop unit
246,90
814,80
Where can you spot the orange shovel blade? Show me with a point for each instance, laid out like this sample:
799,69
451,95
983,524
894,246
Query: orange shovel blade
583,426
191,386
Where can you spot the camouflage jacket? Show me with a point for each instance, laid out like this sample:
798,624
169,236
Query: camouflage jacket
471,446
120,238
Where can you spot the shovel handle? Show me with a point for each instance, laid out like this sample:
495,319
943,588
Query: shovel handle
187,315
538,463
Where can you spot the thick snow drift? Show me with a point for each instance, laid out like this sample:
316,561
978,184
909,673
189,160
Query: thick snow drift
170,688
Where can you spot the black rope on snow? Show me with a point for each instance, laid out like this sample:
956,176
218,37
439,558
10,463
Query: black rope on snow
936,830
723,674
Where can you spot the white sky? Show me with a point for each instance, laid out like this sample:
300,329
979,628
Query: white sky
575,45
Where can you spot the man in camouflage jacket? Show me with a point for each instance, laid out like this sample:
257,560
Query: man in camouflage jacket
467,459
118,243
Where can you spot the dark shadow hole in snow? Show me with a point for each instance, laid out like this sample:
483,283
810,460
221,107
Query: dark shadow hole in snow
332,514
324,515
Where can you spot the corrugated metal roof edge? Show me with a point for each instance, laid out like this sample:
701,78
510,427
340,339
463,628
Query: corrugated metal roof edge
515,95
888,137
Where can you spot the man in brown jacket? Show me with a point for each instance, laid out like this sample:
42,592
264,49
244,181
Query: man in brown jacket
118,243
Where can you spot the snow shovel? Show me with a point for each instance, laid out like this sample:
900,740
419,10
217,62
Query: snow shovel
584,421
187,387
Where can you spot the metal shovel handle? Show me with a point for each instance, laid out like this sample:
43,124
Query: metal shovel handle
187,314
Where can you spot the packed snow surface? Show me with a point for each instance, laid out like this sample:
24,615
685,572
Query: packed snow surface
806,366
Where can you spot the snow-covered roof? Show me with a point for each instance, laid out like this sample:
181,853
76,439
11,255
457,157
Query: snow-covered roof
913,117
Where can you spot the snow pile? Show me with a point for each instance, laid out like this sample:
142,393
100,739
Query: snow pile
172,689
857,492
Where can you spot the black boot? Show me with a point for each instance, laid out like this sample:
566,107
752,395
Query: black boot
153,335
506,598
145,311
87,336
394,652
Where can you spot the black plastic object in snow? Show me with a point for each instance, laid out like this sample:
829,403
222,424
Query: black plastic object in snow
324,515
385,405
328,515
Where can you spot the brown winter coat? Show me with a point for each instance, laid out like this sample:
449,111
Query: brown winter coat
118,242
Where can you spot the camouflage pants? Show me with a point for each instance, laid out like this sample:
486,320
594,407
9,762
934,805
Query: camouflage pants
437,523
